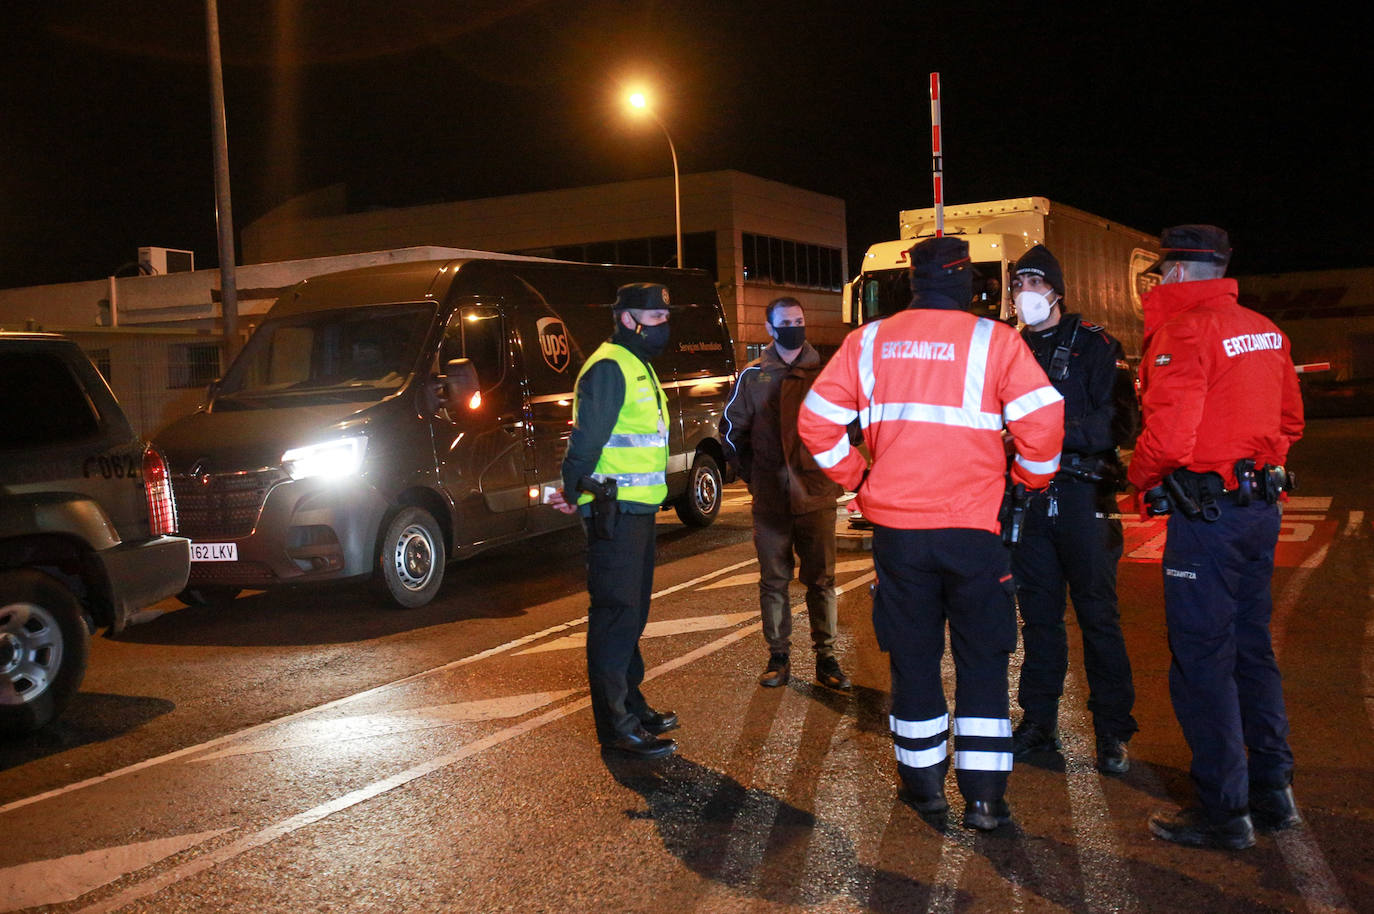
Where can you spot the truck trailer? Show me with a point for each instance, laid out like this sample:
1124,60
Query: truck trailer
1104,262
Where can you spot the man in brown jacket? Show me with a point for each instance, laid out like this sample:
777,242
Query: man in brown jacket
794,501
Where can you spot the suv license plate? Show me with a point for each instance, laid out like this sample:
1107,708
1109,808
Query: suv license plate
214,552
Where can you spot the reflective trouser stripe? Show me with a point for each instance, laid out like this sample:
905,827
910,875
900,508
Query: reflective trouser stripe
919,729
982,726
982,761
922,758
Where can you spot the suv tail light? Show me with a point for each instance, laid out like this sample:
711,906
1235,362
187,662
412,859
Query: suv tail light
162,507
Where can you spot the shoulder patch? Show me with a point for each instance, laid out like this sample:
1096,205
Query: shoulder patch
1089,325
1163,358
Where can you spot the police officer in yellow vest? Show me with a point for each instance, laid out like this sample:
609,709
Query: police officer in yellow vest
616,465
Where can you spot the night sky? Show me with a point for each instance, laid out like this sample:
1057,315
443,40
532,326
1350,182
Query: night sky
1256,122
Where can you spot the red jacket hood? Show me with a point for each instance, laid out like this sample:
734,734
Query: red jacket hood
1163,302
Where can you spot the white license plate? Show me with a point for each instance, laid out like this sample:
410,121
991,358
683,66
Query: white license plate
214,552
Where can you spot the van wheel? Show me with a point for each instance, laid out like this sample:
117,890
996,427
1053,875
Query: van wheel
700,504
411,559
44,644
217,595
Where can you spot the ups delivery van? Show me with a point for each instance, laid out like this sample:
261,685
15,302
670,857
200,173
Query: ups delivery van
384,421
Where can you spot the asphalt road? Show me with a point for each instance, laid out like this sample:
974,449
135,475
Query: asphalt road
317,751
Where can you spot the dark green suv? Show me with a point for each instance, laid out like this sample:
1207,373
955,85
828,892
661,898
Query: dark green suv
85,513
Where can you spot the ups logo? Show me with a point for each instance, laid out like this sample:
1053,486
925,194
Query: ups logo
553,343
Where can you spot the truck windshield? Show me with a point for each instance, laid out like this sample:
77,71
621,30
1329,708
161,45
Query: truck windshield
884,292
352,354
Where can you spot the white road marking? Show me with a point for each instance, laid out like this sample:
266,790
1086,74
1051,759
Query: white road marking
29,885
1318,504
189,868
735,580
304,734
660,629
1353,523
256,728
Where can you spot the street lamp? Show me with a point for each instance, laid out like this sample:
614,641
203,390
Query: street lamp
639,102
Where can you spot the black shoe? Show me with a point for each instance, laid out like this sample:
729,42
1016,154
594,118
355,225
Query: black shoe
657,722
778,672
1111,756
642,744
829,674
1274,810
1031,737
1192,827
928,806
985,815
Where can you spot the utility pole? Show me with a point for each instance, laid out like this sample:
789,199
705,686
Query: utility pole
224,214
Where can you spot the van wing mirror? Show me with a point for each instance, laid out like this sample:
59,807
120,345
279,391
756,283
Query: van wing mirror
458,387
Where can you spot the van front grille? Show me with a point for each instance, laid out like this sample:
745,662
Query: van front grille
222,505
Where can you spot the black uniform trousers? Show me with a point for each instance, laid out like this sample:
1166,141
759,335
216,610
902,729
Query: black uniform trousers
1068,539
1224,680
620,582
927,578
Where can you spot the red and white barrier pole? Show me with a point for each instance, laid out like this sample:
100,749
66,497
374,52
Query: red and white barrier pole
937,155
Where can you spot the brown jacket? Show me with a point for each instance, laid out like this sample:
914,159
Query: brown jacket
761,435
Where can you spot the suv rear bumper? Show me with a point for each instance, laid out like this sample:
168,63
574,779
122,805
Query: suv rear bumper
143,572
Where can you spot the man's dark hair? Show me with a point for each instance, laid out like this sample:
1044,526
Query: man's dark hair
785,301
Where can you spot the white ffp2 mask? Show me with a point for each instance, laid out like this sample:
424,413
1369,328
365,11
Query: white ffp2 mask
1033,307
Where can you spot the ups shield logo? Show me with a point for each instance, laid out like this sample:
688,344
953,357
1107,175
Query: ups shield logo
553,343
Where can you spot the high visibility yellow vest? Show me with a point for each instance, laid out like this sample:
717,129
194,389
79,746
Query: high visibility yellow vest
636,455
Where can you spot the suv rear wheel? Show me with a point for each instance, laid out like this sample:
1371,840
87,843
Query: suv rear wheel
44,643
700,504
411,557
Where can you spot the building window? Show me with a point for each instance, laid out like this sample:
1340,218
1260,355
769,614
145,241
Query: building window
698,249
790,263
192,364
101,358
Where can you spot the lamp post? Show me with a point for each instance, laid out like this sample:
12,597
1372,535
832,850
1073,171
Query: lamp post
640,102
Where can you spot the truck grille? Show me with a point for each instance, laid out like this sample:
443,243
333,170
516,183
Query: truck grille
222,505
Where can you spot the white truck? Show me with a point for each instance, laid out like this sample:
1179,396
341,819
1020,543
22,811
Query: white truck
1103,261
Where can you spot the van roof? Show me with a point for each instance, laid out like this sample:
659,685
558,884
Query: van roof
430,280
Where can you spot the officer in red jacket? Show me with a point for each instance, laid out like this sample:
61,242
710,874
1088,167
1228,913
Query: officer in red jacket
933,387
1221,409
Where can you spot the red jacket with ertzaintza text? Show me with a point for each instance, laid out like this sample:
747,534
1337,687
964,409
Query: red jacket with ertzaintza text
933,390
1217,385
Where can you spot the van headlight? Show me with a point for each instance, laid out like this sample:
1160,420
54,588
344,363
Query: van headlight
330,459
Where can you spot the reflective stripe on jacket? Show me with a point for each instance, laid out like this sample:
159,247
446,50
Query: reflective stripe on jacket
933,390
636,455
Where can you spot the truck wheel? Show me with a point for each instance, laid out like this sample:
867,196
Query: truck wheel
411,558
217,595
700,504
44,644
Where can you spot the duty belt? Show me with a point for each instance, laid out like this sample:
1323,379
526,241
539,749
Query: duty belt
1198,495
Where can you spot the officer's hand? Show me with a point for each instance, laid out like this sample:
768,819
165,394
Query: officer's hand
559,502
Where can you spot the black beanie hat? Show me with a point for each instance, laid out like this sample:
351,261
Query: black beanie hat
1042,263
940,268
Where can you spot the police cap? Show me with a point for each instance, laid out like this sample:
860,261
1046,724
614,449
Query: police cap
641,296
1040,262
1203,243
941,267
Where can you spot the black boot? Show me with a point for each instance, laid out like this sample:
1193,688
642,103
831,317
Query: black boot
777,673
1274,810
1193,827
986,815
1031,738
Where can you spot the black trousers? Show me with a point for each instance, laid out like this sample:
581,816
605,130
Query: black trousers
927,578
1224,680
620,582
1079,546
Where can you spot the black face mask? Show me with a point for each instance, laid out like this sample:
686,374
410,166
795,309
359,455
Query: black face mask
790,337
654,338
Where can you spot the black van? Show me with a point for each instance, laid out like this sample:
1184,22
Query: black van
383,421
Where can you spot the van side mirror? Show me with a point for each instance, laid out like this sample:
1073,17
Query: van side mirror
458,388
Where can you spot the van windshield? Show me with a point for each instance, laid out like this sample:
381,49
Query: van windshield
348,355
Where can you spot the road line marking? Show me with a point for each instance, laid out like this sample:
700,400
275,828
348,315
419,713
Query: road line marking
285,827
29,885
1311,874
336,730
1353,523
661,629
347,699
